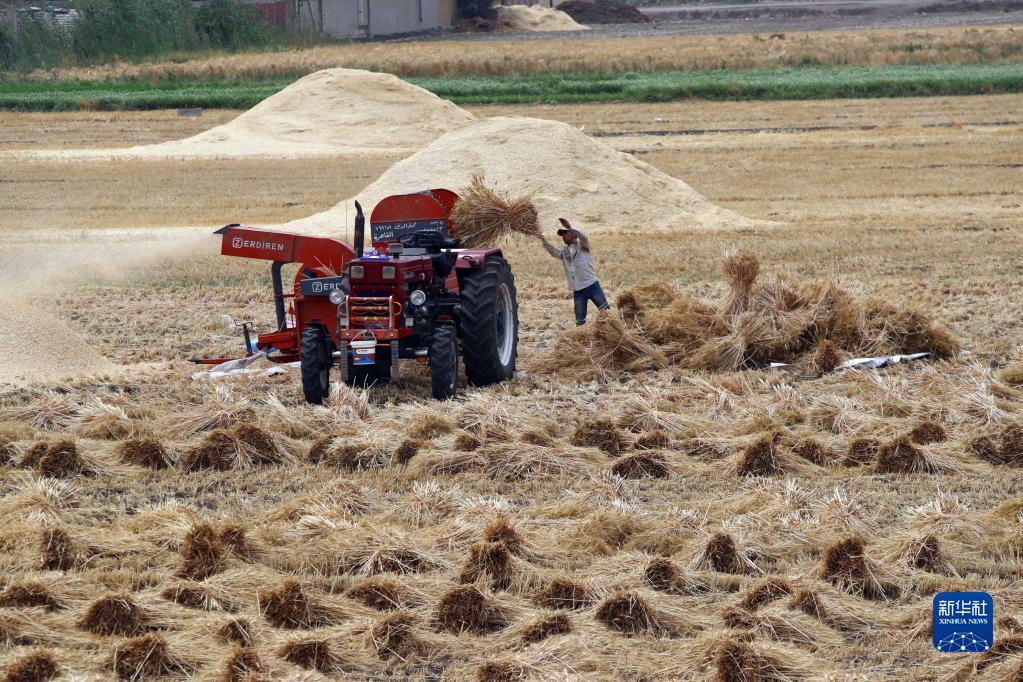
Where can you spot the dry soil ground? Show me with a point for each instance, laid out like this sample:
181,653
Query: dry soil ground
915,200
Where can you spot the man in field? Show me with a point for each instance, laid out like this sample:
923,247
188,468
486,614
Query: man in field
582,278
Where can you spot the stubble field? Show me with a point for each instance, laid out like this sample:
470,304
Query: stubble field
659,524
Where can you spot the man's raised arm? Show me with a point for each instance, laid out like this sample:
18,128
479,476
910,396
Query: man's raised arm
551,249
584,241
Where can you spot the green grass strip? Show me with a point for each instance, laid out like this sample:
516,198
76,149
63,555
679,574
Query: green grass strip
776,84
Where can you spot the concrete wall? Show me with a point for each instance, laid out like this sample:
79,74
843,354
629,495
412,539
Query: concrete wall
341,19
387,17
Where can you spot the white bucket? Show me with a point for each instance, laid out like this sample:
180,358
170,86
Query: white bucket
364,352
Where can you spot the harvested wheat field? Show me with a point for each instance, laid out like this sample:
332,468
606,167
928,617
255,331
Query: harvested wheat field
645,500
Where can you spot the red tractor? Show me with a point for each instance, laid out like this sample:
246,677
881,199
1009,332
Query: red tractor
414,295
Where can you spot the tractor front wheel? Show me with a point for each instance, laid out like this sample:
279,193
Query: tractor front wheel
444,362
489,323
316,359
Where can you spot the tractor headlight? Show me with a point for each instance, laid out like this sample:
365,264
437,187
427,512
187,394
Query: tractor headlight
417,297
357,272
337,296
387,272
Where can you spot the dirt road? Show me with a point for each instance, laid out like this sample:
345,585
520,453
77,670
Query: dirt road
779,17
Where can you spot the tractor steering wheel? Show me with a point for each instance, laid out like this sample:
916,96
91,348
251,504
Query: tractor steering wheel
409,241
431,240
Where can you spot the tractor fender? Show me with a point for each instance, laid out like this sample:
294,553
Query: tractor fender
474,259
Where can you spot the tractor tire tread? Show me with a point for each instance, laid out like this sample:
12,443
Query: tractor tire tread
479,289
311,366
444,362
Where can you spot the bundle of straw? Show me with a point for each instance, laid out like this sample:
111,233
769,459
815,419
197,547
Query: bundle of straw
482,217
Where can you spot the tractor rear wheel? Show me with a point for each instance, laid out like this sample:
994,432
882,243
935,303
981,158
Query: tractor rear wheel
316,358
489,324
444,362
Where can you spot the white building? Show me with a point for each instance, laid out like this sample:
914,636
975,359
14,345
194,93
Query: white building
358,18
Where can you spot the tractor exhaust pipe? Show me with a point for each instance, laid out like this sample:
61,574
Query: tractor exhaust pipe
360,231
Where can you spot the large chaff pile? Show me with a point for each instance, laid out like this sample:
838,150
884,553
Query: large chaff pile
814,325
483,217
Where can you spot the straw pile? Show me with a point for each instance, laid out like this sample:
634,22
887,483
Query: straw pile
607,344
483,217
814,325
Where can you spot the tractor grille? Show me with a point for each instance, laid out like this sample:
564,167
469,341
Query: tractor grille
369,312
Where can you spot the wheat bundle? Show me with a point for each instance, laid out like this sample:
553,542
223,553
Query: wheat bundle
195,595
59,552
1012,375
547,625
779,626
202,553
37,666
723,556
57,459
812,450
406,450
563,593
145,452
861,451
291,606
114,615
387,551
664,575
483,217
8,451
503,530
739,661
429,425
243,664
537,437
467,609
144,657
236,630
641,465
396,637
631,613
644,298
490,559
311,654
741,267
27,595
600,432
382,593
466,442
770,590
760,459
846,566
652,440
